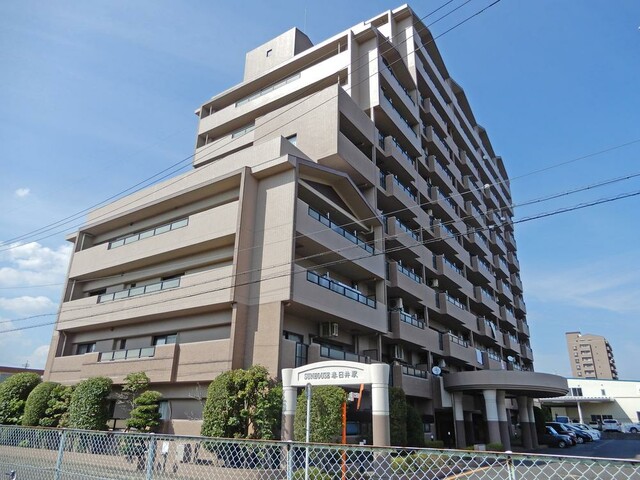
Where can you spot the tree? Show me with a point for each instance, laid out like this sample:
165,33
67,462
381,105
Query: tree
146,413
37,403
89,404
415,428
242,404
57,412
398,416
134,384
326,414
13,396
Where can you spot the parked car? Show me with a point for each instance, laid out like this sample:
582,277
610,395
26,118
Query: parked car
594,432
582,435
610,425
631,427
554,439
562,429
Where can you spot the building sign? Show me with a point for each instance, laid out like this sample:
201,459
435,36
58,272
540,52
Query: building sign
331,373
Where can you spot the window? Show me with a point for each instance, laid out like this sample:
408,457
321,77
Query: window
165,339
83,348
164,409
293,139
603,392
576,391
120,344
269,52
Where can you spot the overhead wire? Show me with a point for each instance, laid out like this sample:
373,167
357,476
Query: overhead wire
74,217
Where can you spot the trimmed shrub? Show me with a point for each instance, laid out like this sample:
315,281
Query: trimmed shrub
146,414
242,404
37,403
57,412
326,414
89,404
13,396
434,444
315,473
398,416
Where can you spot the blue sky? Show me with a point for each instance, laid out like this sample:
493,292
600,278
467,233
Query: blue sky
97,96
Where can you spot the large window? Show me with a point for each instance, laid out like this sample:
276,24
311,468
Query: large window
83,348
165,339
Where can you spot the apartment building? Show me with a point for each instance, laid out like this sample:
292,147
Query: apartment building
344,204
591,356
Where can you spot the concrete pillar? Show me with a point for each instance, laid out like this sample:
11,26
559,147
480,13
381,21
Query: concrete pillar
380,404
525,424
289,400
491,408
458,416
503,420
468,424
532,420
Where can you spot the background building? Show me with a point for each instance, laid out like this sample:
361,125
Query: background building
590,356
593,400
6,372
344,204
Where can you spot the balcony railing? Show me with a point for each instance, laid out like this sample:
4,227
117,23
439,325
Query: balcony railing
339,288
406,155
335,354
481,238
460,341
135,291
493,355
487,294
406,189
152,232
445,171
412,319
409,273
388,98
453,266
455,301
127,354
452,233
398,81
383,179
408,230
484,264
340,230
447,198
414,372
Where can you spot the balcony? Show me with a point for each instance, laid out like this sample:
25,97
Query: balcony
482,270
513,261
438,145
459,350
453,273
393,150
141,290
523,327
504,291
497,244
516,283
487,329
492,361
341,289
501,266
199,362
511,342
332,353
446,206
349,235
450,239
454,312
526,352
477,243
440,174
407,280
486,300
506,315
414,382
386,102
401,195
472,190
433,115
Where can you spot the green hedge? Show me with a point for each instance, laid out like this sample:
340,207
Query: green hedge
37,403
89,404
326,414
13,396
146,414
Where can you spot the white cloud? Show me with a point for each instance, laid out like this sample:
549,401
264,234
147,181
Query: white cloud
37,358
27,305
33,264
22,192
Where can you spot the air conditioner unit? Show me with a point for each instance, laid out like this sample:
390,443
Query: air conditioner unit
396,304
329,329
398,352
434,283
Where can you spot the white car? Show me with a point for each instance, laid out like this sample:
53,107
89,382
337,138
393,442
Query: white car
610,425
631,427
595,434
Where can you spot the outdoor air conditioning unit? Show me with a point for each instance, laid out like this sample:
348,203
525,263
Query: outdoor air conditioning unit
396,304
434,283
398,352
329,329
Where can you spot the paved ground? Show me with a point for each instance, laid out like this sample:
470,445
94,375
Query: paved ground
606,448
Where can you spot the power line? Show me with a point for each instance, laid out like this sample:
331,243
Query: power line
579,206
73,217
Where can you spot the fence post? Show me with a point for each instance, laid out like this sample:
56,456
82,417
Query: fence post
63,439
511,470
289,460
151,456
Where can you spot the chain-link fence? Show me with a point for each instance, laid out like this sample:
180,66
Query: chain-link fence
36,454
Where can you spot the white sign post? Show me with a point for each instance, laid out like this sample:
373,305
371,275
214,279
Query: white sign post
339,373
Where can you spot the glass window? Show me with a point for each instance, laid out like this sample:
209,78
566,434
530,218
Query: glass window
165,339
83,348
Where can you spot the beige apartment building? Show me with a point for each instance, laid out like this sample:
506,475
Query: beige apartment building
591,356
344,204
